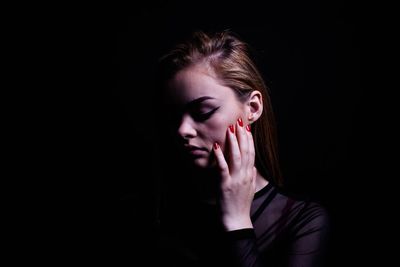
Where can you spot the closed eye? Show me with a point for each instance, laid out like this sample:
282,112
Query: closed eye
204,116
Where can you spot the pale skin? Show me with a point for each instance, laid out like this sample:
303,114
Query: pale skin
216,134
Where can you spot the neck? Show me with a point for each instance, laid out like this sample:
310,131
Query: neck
206,184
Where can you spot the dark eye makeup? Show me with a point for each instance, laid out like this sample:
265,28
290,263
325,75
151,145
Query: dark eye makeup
204,116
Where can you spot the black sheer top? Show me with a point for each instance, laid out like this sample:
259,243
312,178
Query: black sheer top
287,232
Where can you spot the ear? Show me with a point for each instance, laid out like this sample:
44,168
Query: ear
254,106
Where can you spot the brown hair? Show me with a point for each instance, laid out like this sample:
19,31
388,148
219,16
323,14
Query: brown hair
229,58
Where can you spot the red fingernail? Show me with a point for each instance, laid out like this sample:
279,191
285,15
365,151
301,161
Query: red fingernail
240,122
231,129
216,146
248,128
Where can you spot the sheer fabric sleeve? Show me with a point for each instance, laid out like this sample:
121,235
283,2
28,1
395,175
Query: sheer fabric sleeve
308,243
243,248
303,244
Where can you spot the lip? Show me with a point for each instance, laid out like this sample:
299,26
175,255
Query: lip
195,150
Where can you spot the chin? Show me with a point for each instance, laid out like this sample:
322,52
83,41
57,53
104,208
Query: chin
203,163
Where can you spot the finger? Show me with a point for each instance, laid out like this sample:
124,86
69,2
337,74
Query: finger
221,162
243,142
254,177
252,151
233,150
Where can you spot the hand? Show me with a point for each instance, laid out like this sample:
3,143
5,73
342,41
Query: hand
238,177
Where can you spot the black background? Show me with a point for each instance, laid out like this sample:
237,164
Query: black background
309,53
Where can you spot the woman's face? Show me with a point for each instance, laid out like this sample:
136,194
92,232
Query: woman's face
202,110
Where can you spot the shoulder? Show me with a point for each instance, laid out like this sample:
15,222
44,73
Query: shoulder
274,206
307,214
299,224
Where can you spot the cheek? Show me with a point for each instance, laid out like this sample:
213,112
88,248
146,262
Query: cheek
218,129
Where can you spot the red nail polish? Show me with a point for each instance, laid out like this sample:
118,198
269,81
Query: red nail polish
248,128
240,122
231,129
216,146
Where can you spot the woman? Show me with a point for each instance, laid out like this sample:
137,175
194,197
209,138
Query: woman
224,206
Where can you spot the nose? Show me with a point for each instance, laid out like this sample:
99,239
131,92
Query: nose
186,128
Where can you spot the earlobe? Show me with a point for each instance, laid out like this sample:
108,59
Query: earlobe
250,118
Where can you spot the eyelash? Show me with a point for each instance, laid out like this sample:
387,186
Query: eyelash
204,116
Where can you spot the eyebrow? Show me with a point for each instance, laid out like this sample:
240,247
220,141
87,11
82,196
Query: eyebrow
198,101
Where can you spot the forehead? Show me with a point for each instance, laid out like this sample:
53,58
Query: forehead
194,82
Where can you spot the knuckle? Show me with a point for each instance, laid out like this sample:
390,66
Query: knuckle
248,175
224,168
252,153
245,181
236,157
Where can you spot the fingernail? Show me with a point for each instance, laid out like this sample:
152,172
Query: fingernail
248,128
240,122
216,146
231,129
